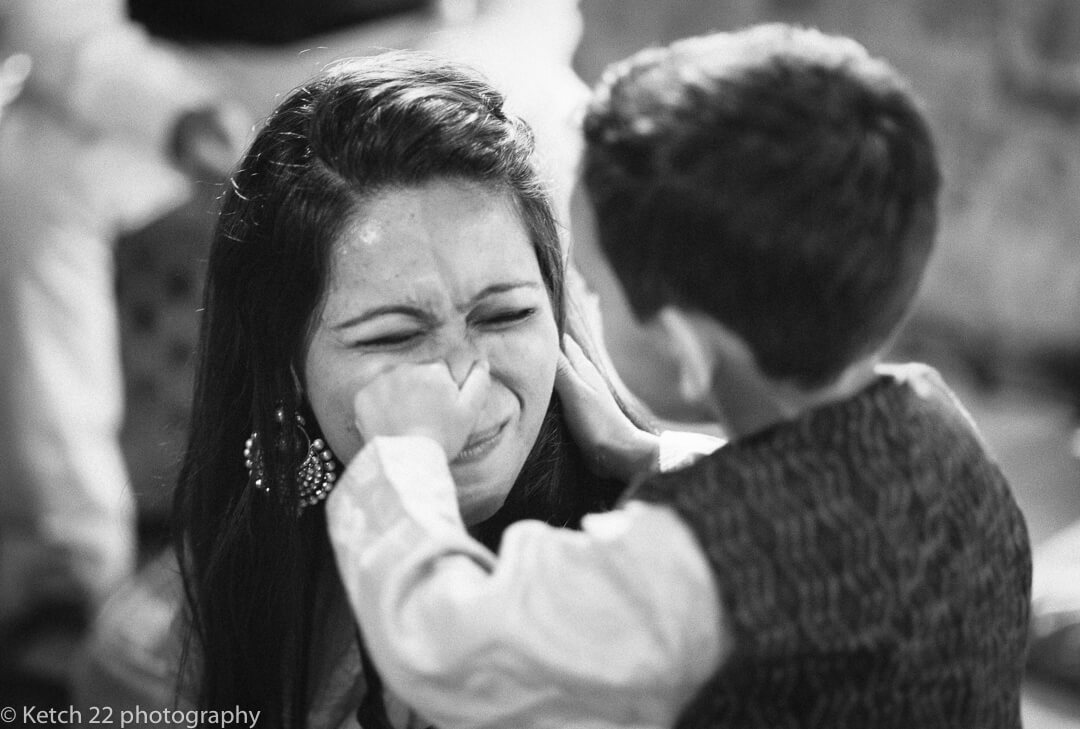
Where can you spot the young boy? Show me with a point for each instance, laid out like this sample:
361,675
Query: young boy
853,557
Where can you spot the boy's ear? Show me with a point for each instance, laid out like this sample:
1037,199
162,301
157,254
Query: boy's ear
689,345
706,350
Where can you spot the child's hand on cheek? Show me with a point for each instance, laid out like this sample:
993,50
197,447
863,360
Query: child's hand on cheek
599,426
423,399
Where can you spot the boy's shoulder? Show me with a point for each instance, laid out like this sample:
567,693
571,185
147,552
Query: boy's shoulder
912,397
929,386
909,391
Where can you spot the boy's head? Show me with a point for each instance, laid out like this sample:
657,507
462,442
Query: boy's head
777,180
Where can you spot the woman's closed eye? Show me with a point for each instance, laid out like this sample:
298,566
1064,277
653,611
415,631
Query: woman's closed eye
407,335
503,318
389,340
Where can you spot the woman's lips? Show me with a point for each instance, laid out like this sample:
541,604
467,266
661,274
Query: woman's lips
480,444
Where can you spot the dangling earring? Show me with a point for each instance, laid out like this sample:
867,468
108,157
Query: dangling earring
318,470
316,475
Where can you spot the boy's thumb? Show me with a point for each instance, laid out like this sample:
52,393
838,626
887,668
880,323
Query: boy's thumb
474,389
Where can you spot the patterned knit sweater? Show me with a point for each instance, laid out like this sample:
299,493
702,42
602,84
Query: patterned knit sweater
874,568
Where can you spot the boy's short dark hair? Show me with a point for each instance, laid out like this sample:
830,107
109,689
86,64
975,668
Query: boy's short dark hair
776,179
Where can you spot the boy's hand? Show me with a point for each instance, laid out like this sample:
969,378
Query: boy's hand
423,399
617,446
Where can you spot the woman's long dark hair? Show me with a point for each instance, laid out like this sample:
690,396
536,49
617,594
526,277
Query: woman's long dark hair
252,563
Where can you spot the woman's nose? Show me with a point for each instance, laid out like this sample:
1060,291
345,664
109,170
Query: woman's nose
460,356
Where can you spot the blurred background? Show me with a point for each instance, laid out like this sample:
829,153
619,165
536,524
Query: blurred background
1000,310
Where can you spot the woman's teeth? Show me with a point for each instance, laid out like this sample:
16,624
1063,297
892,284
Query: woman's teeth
480,443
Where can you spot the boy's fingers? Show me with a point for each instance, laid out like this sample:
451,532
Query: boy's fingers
564,370
569,382
435,370
474,388
583,366
575,355
573,350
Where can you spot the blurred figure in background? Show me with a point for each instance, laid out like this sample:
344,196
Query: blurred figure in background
106,135
523,46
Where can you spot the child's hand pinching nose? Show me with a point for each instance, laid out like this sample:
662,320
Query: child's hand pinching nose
423,399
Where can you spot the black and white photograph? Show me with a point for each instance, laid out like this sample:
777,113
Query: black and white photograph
540,364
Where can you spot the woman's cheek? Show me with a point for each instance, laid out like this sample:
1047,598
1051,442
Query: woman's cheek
526,361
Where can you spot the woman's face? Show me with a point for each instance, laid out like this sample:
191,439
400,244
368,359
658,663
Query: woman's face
442,271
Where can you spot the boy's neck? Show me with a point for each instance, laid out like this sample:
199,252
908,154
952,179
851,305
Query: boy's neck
748,402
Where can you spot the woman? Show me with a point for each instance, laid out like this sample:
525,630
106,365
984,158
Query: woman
388,211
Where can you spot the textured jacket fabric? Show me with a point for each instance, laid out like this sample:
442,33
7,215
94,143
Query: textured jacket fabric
873,564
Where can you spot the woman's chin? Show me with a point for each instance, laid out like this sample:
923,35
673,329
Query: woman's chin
485,477
480,510
479,501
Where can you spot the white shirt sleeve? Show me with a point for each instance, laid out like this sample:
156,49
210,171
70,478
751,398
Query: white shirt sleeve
680,448
617,625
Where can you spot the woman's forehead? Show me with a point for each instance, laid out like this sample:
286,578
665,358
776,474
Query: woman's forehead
446,238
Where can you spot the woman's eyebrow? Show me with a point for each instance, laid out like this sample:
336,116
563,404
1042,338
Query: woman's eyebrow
501,288
418,312
402,309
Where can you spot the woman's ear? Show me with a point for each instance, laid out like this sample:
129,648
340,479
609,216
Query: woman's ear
696,360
